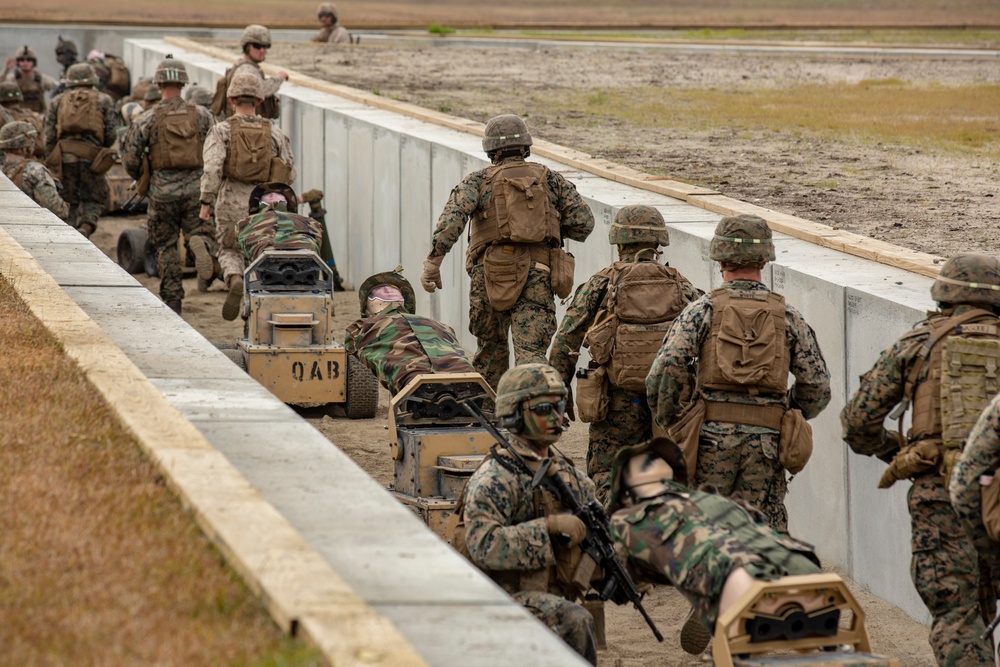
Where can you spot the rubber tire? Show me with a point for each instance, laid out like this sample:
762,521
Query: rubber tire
236,356
362,391
149,260
131,249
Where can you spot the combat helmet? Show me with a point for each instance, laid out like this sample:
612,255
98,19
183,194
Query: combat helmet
638,224
66,51
81,74
283,189
328,8
19,134
245,84
968,278
170,70
505,131
744,240
152,94
523,383
10,92
199,95
394,278
255,34
665,448
26,52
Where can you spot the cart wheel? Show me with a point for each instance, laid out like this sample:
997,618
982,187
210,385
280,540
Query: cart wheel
149,260
131,246
236,356
362,391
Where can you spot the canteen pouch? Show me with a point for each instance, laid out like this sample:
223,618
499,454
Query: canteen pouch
562,265
103,161
796,443
592,394
280,171
506,271
686,432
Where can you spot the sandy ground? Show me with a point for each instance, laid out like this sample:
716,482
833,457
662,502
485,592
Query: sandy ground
926,200
630,642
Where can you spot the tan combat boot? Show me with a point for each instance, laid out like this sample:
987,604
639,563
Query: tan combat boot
231,308
203,262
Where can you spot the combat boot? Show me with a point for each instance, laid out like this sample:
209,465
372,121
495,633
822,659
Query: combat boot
695,637
203,262
231,308
86,229
174,305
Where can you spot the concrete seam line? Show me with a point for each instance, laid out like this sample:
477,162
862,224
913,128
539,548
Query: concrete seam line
800,228
296,585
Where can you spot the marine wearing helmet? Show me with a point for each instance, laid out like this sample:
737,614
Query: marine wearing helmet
742,241
968,279
506,135
17,135
81,74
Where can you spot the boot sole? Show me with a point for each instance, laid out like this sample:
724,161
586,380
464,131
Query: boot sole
231,308
202,260
695,637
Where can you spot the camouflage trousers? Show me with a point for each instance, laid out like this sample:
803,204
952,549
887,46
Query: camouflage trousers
744,466
86,193
945,571
231,206
531,323
167,219
628,423
570,621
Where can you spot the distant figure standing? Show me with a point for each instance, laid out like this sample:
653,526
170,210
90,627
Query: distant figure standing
255,42
331,31
20,69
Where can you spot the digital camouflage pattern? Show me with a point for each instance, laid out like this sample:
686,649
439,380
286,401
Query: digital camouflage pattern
638,224
36,181
274,228
84,191
505,131
5,117
506,539
270,84
739,460
525,382
629,420
398,346
694,540
532,320
944,567
230,198
742,240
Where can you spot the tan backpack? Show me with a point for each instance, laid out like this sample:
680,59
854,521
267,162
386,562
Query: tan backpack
79,113
250,151
220,107
522,211
179,141
118,82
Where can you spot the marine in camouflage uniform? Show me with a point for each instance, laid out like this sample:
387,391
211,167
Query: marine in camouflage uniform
531,321
12,108
670,534
85,192
33,84
331,31
739,460
503,527
636,229
255,41
398,345
17,139
944,567
173,192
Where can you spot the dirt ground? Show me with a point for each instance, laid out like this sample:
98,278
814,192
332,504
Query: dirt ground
630,642
936,201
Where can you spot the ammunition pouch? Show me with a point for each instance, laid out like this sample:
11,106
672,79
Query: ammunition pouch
686,432
991,507
592,394
796,444
505,268
916,459
103,161
142,185
562,265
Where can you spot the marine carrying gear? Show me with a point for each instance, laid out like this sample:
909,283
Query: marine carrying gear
10,92
521,210
744,240
170,70
968,279
245,84
19,134
505,131
79,113
81,74
251,158
525,382
179,141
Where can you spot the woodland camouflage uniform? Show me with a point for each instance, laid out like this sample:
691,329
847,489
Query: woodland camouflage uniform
531,321
738,460
85,192
274,227
694,540
173,195
944,567
628,420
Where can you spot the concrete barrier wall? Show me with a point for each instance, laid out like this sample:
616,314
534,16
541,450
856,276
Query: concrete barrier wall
387,177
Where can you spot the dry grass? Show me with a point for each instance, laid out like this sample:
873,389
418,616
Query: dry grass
99,564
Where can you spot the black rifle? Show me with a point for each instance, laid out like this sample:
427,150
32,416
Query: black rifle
618,585
133,202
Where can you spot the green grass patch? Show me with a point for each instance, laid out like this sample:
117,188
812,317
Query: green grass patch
438,29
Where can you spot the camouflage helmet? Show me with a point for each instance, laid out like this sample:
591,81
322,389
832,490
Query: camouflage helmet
665,448
245,84
26,52
328,8
199,95
255,34
968,279
19,134
170,70
505,131
638,224
744,240
394,278
152,94
525,382
10,92
66,47
283,189
81,74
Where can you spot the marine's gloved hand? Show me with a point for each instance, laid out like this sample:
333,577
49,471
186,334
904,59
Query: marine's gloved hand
311,196
567,526
430,279
916,459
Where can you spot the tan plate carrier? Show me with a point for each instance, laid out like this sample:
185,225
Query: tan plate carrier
811,594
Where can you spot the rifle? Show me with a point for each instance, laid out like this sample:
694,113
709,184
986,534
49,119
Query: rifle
316,211
618,585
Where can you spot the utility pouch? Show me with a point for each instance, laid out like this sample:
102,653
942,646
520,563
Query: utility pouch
600,337
280,171
506,270
562,265
991,507
270,107
142,185
54,161
686,432
796,443
103,161
592,394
